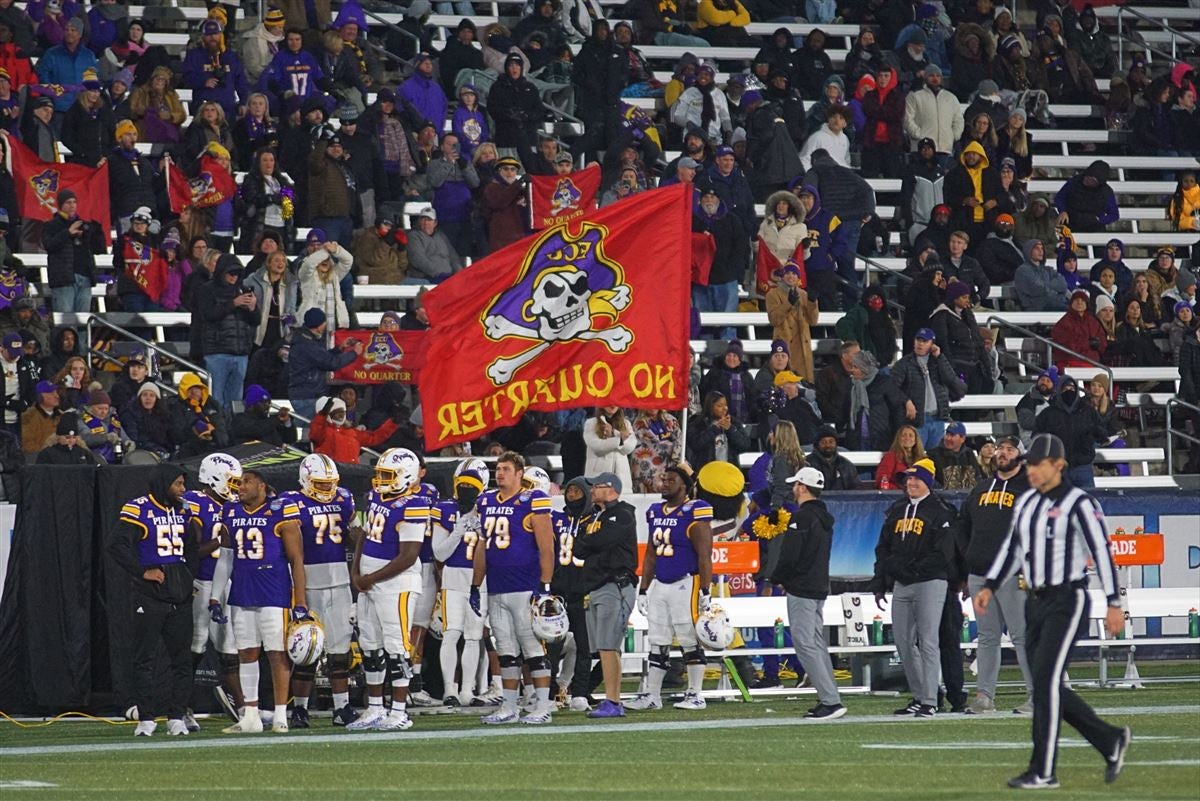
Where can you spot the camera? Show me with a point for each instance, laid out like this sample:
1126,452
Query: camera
628,187
219,71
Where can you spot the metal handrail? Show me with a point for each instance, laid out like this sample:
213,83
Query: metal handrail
393,27
1051,346
1172,433
1121,36
95,319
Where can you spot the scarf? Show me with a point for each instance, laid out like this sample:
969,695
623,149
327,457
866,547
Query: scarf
737,396
709,112
860,401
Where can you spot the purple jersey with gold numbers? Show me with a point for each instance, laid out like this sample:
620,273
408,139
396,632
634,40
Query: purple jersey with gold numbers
262,573
163,531
199,505
323,526
513,561
675,556
445,514
384,518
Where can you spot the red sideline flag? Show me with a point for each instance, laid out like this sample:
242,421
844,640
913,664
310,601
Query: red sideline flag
37,183
586,313
387,356
561,198
212,186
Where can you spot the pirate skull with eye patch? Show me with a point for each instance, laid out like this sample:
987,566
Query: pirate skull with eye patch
560,304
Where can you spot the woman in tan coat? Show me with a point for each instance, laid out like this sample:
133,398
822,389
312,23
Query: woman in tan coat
791,312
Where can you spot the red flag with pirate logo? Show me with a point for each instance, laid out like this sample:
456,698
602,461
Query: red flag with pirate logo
212,186
561,198
37,183
586,313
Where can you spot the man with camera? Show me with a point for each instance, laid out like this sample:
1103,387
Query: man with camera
231,315
310,362
215,74
71,244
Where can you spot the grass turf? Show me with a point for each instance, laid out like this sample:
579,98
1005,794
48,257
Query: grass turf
756,749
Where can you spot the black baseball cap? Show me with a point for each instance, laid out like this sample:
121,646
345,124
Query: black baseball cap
1046,446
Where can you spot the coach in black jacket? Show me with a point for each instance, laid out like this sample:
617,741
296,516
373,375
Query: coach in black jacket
802,567
910,557
608,549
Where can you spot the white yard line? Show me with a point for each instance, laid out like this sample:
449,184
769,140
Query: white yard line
180,743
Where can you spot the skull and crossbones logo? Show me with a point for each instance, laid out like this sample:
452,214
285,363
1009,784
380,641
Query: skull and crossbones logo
568,290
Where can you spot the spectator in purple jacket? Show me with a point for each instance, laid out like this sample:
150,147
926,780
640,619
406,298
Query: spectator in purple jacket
453,178
423,91
470,120
215,74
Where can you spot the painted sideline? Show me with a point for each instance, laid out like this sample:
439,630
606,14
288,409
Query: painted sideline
266,740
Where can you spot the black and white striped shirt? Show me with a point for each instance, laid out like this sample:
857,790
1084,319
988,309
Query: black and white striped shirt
1050,539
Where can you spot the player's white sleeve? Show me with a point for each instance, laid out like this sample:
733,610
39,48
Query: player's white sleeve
221,572
444,542
411,532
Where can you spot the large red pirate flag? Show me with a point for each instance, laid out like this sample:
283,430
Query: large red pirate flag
37,183
562,198
586,313
212,186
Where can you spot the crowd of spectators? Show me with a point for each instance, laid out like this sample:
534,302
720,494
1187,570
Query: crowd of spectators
327,132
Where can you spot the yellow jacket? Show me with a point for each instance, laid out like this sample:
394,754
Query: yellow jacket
712,17
1183,210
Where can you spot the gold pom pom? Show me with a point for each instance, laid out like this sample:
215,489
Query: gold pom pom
765,531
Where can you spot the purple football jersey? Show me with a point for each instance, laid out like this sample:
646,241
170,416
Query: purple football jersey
163,531
513,563
676,557
199,505
261,571
323,526
384,518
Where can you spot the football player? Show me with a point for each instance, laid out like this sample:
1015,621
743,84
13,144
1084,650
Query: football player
518,561
387,573
423,610
455,536
326,511
674,591
260,541
220,475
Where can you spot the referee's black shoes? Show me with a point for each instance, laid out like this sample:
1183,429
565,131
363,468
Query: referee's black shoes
1117,761
1031,781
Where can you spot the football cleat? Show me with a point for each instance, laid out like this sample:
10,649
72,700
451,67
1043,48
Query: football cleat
910,709
176,727
501,717
250,723
826,712
644,702
1031,781
452,702
580,703
766,683
266,715
477,702
226,702
344,716
396,720
1117,761
691,701
189,720
299,717
421,698
925,711
145,728
280,725
368,720
539,716
607,709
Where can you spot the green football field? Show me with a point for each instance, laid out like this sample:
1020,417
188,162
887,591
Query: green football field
757,751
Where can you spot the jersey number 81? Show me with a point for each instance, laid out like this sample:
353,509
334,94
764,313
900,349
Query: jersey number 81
662,542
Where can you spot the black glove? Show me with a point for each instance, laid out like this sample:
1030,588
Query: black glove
465,497
773,518
1094,343
793,296
462,162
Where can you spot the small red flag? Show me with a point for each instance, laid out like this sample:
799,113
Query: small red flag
586,313
387,356
37,183
212,186
562,198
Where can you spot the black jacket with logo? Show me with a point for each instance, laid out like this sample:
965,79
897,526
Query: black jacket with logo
985,517
608,545
802,566
912,543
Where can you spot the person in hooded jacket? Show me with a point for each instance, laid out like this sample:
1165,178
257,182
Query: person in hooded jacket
1080,331
883,136
134,374
971,189
780,239
876,405
64,343
516,107
162,594
1086,202
840,473
1073,419
847,195
1114,257
826,244
999,255
953,323
833,93
336,437
910,560
730,260
921,188
925,293
869,324
811,65
198,423
1039,285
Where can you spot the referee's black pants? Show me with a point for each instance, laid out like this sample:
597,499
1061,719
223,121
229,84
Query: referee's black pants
1054,619
156,622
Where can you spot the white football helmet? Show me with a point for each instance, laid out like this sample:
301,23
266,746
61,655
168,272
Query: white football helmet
397,471
305,643
475,465
222,474
319,477
713,629
536,478
549,616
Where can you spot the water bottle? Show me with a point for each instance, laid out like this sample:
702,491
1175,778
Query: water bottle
629,639
1193,624
118,452
1120,532
877,631
778,632
1139,531
966,629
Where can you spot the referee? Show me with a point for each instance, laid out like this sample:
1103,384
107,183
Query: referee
1055,528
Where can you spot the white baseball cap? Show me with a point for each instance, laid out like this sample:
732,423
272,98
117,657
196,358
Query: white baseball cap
809,477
